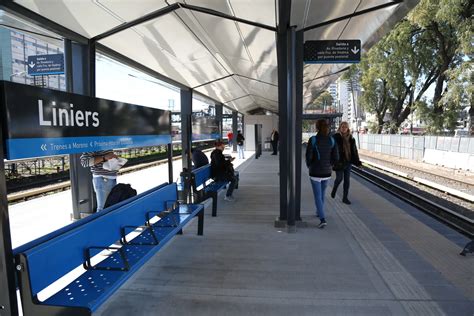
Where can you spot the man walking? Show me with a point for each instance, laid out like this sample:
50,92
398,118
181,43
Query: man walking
274,139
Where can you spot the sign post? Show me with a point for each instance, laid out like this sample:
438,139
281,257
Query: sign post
332,52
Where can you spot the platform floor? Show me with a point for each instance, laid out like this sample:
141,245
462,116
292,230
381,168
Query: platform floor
378,256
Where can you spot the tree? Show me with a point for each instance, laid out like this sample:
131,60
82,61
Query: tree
324,100
428,48
448,28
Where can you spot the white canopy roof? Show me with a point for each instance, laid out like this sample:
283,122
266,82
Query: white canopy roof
229,61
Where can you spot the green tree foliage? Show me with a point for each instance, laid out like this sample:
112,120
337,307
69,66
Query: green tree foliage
432,46
324,100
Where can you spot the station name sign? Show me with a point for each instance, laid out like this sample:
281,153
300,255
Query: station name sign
40,122
332,52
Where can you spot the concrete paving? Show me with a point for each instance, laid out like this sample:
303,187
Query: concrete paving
375,257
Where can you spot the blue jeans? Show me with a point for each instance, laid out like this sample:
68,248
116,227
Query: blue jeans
319,189
233,182
102,188
240,149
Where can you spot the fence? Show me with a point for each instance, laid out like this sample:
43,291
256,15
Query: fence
451,152
413,147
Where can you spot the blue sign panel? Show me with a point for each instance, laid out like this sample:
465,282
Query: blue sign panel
35,147
42,122
39,65
332,52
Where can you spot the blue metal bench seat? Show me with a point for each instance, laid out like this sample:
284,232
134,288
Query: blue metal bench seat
204,187
124,238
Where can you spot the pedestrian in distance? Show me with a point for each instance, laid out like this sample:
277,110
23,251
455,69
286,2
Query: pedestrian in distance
274,140
240,144
230,138
321,154
348,156
223,170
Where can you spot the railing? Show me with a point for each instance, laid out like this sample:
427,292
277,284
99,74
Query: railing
30,173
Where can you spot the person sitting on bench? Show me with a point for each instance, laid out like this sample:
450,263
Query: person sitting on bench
199,158
223,170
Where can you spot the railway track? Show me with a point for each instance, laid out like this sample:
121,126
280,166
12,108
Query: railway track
461,220
57,186
412,173
64,185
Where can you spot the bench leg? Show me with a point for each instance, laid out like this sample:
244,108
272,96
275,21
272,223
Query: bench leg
180,232
214,204
201,222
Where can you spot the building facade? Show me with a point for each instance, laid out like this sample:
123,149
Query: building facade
15,48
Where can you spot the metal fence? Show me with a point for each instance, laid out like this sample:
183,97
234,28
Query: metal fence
413,147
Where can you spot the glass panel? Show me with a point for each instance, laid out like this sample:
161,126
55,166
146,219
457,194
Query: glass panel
17,45
204,121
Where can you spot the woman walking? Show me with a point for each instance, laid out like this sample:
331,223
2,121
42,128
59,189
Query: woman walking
348,156
321,154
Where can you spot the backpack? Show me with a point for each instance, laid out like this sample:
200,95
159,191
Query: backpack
315,146
119,193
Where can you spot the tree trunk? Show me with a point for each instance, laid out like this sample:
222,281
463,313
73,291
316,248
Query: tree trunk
380,127
471,121
438,93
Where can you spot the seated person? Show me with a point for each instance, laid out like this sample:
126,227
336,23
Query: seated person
103,180
223,170
199,158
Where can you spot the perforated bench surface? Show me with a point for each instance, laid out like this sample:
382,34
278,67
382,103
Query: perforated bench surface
93,287
150,219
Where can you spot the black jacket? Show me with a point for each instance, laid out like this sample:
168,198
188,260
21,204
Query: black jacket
240,139
276,137
354,153
221,168
321,156
199,158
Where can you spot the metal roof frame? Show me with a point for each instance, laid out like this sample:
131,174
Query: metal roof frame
14,8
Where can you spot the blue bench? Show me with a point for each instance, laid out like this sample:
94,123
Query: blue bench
108,246
204,187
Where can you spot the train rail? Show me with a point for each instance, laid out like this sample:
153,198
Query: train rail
445,183
434,185
64,185
461,220
55,186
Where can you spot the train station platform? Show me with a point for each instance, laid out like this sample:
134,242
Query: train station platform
378,256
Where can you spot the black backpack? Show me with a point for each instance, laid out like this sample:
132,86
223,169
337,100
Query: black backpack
120,192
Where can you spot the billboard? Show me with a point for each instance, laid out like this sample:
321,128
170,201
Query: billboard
205,127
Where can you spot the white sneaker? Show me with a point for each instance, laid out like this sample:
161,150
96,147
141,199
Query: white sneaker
229,198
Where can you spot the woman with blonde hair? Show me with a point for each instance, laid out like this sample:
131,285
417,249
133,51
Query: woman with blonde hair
348,156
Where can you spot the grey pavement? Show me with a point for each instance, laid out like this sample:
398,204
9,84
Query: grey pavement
373,258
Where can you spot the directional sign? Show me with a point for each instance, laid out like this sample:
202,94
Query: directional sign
332,52
39,65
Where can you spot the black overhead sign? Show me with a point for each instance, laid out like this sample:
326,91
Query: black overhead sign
51,64
332,52
42,122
